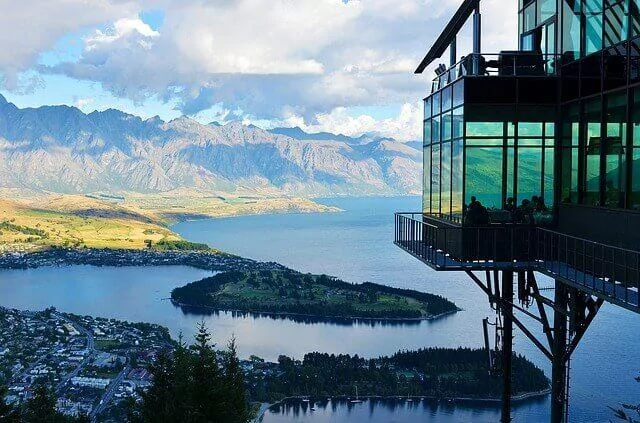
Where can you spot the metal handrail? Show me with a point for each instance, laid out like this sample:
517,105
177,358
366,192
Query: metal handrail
606,270
493,64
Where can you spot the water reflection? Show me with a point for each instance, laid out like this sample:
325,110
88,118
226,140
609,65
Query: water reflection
302,319
379,410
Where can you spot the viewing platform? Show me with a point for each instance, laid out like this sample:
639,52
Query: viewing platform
605,271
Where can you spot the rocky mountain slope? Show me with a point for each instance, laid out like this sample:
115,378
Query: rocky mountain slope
60,149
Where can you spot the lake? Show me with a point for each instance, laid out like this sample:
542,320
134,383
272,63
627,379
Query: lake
356,245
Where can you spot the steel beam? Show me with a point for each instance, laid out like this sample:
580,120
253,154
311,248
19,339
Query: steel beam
559,362
506,306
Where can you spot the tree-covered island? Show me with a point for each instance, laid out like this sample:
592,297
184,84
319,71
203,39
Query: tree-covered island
291,292
452,373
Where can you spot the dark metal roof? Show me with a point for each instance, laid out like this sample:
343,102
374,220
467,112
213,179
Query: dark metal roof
449,33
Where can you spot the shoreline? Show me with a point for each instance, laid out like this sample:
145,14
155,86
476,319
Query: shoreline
319,317
264,407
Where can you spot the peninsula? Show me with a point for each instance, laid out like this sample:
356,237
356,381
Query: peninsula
285,291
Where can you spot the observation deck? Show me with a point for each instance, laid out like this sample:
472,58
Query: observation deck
607,272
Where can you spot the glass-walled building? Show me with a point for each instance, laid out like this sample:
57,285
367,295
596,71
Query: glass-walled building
495,146
557,120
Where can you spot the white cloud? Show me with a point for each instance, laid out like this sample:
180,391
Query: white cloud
32,27
82,103
407,126
268,59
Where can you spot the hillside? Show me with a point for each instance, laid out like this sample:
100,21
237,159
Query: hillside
59,149
290,292
76,221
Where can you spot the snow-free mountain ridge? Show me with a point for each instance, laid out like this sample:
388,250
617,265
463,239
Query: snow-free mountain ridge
63,150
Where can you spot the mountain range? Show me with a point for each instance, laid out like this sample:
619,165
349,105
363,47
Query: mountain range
60,149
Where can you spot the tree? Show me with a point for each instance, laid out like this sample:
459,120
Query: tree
8,413
41,408
237,410
190,385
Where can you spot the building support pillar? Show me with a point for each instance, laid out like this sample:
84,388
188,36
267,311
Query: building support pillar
507,343
559,361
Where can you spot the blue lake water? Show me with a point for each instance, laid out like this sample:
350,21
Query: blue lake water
357,246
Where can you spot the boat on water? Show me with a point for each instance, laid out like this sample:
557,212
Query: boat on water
357,400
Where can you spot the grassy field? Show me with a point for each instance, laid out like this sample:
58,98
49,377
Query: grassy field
78,222
128,221
319,295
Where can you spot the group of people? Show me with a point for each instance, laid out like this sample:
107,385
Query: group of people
477,214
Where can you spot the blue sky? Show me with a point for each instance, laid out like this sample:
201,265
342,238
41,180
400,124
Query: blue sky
334,65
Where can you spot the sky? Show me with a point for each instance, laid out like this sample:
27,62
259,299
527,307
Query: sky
342,66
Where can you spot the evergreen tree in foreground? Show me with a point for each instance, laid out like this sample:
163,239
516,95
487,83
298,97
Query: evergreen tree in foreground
8,413
195,384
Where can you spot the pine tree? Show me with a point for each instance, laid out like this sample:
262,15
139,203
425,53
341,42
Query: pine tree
41,408
8,413
191,386
207,394
237,410
158,403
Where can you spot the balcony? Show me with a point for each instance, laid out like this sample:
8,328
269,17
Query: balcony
605,271
503,64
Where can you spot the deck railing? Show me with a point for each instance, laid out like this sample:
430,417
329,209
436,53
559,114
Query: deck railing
601,268
605,270
508,63
450,246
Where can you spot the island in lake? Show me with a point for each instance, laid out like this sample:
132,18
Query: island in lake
439,373
286,291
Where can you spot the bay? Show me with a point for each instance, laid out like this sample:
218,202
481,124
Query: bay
357,246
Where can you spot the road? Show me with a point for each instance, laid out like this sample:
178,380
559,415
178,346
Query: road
106,397
90,348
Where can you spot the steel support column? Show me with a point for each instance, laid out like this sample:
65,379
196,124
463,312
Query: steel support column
507,343
559,362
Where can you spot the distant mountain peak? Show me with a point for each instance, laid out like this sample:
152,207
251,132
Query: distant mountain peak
63,150
3,100
300,134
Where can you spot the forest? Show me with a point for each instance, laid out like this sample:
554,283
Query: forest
291,292
433,372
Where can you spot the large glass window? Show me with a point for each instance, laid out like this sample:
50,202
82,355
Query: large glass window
529,172
485,129
446,98
426,135
445,180
427,108
435,128
634,12
426,180
458,93
593,26
458,123
635,185
446,126
549,176
484,175
529,21
616,22
592,173
546,9
571,29
570,175
634,197
593,142
570,154
615,150
435,178
457,172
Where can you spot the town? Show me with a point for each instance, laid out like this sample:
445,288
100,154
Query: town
93,364
208,260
